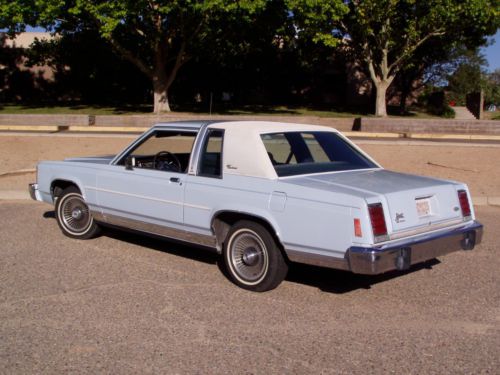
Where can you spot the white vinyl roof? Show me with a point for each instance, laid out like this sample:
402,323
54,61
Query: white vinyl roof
244,152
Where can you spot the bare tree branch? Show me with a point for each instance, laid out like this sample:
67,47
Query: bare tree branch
125,53
180,60
395,66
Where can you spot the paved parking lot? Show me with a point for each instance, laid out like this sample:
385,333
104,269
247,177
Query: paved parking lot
123,303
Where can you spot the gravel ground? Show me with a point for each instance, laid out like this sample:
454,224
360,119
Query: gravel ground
122,303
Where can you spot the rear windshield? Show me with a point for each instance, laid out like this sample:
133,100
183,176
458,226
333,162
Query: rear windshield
296,153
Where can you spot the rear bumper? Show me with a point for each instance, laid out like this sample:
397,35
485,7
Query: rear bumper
400,255
34,192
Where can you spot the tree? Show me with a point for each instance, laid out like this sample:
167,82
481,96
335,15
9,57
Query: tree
468,77
492,92
385,34
154,35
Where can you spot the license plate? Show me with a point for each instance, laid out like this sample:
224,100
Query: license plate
423,207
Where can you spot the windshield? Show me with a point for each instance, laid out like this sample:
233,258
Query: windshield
296,153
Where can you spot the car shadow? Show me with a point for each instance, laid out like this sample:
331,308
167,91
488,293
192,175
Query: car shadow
326,279
157,243
164,245
49,215
339,282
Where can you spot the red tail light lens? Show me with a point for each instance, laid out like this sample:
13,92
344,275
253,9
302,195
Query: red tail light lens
377,219
464,203
357,228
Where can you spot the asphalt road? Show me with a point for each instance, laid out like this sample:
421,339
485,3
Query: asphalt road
123,304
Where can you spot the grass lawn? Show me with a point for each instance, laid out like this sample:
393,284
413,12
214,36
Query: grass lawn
18,109
262,110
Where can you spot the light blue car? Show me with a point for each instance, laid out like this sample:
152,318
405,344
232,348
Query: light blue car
263,194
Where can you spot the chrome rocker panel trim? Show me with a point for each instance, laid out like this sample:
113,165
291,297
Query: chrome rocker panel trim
157,230
397,255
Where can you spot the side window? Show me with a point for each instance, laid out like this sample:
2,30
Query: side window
211,156
163,150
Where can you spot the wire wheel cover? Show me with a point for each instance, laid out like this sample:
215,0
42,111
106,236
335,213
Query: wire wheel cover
75,214
249,257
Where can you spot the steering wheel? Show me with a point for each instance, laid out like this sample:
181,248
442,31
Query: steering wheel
166,161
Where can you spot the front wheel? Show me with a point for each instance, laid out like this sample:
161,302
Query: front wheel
73,215
252,257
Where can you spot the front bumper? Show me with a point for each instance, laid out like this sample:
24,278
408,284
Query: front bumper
34,192
400,255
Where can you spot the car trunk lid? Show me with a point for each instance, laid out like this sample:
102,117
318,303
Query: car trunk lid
412,201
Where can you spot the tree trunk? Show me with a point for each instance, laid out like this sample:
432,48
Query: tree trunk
402,102
161,103
380,103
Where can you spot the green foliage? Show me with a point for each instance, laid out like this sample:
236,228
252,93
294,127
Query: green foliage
492,88
387,34
471,76
446,112
401,27
157,36
317,19
436,103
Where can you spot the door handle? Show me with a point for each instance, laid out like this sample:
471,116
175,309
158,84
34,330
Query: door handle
175,179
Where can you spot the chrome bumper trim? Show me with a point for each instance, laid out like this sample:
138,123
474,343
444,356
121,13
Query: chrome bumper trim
396,255
34,192
400,255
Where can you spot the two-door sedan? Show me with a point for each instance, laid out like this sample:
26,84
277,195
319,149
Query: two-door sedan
263,194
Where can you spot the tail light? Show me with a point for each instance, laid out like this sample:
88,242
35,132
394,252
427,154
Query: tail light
464,203
377,219
357,228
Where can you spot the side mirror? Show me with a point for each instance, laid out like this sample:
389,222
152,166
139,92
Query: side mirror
129,163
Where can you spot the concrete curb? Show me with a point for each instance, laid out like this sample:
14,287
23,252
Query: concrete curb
24,195
461,137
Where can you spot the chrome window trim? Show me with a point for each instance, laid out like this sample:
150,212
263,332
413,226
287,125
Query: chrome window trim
156,128
332,172
195,152
205,139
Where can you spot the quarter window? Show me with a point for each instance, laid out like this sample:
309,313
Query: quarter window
211,156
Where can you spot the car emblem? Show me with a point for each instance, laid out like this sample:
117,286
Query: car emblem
400,217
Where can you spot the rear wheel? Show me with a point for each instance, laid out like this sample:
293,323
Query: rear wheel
253,258
73,215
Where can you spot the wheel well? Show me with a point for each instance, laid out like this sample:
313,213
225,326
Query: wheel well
223,221
58,186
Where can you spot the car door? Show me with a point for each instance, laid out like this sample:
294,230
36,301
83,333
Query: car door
146,185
